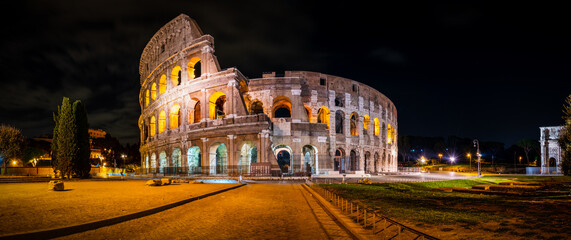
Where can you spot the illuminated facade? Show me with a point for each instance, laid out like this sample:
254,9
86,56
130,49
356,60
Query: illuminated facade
197,118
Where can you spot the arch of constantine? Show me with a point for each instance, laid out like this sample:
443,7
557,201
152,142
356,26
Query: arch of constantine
197,118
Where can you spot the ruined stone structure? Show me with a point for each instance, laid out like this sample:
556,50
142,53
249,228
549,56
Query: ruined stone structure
197,118
550,150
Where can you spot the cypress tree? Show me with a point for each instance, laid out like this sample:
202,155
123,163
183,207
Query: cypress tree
66,140
82,166
565,138
55,140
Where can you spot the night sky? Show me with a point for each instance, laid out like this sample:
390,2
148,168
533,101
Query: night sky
479,70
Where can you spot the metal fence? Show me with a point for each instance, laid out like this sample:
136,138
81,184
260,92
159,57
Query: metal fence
382,226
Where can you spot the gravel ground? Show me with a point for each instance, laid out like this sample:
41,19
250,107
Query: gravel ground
255,211
29,207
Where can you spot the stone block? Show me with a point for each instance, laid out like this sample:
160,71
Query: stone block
154,182
56,185
166,181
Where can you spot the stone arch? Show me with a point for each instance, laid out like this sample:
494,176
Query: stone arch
176,161
376,162
307,112
353,123
147,98
176,76
323,115
216,104
147,163
248,155
162,162
162,84
218,158
162,121
384,162
283,155
376,126
175,116
194,68
282,107
257,107
339,160
196,111
154,91
153,162
366,123
389,132
339,118
367,162
194,160
152,126
310,159
353,161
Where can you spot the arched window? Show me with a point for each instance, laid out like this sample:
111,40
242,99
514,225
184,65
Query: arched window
216,105
308,113
339,101
194,68
197,112
175,116
282,107
153,126
162,121
323,115
154,91
176,76
394,135
389,131
354,120
256,107
376,130
147,98
366,122
339,117
163,84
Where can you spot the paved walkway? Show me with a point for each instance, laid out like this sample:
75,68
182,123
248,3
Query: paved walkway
255,211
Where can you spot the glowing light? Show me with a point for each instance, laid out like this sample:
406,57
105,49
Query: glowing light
452,159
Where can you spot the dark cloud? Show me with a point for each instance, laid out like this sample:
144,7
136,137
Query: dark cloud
495,71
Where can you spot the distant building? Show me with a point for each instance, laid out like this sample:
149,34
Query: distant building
96,152
550,150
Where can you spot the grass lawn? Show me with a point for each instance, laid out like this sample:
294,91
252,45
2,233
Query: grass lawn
456,215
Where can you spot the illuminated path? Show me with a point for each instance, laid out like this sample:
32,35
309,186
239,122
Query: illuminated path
255,211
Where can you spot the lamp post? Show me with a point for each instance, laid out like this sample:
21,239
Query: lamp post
470,157
440,157
477,145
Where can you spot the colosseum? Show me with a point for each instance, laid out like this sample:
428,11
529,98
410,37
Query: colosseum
199,119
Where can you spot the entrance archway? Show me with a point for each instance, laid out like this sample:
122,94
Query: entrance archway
339,161
367,167
310,161
248,155
353,161
194,160
176,161
283,157
162,161
153,163
218,161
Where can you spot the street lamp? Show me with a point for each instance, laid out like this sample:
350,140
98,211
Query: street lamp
440,157
452,159
477,145
470,156
422,159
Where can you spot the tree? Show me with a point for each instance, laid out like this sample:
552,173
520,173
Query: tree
565,138
81,163
65,140
11,144
527,145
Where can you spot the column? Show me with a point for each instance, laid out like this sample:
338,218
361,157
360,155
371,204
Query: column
230,160
205,161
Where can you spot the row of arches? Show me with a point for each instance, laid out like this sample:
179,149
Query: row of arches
215,162
282,109
344,163
156,89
